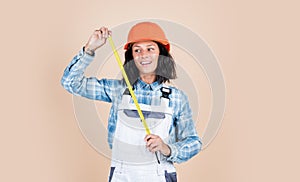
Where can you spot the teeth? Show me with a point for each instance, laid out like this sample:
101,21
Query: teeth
144,62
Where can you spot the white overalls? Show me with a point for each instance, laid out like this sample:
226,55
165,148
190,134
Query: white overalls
131,160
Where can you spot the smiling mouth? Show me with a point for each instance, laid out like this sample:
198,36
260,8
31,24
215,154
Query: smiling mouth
145,62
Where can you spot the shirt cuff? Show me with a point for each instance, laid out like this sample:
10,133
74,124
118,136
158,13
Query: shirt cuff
174,153
85,58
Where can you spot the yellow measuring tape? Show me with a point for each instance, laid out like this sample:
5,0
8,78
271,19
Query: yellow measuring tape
129,85
130,89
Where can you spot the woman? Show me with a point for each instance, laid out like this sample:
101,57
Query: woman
149,67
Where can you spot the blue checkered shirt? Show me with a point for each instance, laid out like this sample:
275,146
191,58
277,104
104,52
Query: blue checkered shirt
184,141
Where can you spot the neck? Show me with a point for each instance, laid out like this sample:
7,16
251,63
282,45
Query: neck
149,78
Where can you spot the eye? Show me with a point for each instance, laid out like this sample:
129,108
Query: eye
150,49
137,50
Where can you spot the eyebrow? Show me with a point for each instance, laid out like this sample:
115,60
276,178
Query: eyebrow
146,45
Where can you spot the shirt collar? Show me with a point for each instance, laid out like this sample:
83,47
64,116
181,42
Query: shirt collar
145,86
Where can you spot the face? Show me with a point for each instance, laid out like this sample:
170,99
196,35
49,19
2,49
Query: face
145,55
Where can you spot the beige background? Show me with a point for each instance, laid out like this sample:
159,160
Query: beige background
256,42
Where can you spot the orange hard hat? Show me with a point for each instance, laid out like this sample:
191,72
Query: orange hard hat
147,31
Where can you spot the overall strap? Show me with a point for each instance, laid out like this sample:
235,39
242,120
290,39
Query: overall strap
165,92
126,91
126,96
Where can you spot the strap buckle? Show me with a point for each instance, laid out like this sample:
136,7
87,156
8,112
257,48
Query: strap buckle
165,91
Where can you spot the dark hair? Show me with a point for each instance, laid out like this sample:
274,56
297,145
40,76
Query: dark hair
165,67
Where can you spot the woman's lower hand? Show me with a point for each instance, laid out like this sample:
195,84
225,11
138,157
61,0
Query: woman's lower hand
155,143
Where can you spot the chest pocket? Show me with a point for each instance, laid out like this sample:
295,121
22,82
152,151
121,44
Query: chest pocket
147,114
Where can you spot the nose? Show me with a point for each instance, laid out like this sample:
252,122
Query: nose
144,54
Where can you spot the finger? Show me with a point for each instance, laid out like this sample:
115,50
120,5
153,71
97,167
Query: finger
109,33
100,32
153,142
104,32
102,29
149,142
151,136
147,137
153,149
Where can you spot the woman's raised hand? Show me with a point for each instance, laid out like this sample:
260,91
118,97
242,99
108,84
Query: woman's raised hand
97,39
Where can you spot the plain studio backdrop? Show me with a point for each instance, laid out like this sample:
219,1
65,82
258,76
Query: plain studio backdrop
256,43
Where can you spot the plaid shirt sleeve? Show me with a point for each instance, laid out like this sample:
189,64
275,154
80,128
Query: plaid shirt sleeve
75,82
186,142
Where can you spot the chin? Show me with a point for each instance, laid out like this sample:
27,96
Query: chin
147,72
